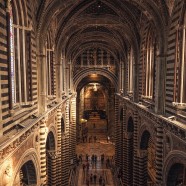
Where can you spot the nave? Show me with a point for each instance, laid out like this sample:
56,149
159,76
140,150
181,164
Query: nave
101,167
73,70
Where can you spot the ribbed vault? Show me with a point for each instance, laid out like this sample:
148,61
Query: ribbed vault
115,26
114,23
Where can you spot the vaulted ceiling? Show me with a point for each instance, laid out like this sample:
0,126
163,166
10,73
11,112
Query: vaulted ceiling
112,25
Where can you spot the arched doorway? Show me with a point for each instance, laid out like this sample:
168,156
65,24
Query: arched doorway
51,160
28,174
147,159
94,110
176,175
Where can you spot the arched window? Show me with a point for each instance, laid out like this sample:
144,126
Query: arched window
180,65
20,55
130,71
148,65
12,65
50,66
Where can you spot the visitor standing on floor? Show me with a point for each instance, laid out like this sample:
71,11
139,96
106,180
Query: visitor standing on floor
84,166
87,182
91,178
95,178
100,180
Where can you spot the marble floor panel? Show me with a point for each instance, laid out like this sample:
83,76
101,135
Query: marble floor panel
99,168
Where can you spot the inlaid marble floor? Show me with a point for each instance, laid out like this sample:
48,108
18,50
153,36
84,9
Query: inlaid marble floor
98,169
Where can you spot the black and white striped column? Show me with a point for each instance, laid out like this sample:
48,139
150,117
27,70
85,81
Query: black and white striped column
65,154
43,151
73,129
52,168
142,168
159,155
135,145
117,136
127,158
59,172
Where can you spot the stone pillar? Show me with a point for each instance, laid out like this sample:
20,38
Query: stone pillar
117,132
59,80
42,83
59,172
124,148
73,129
43,151
67,75
142,168
125,80
159,156
160,85
63,75
52,168
136,82
78,117
135,146
65,154
127,158
111,117
120,135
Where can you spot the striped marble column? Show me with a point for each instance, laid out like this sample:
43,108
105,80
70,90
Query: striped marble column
65,155
59,172
52,168
159,155
43,151
73,129
123,141
135,146
127,158
117,136
142,168
120,126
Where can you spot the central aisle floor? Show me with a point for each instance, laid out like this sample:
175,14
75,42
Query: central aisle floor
101,146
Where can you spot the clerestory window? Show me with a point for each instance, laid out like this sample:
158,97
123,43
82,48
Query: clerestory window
20,55
50,66
130,71
180,65
148,65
